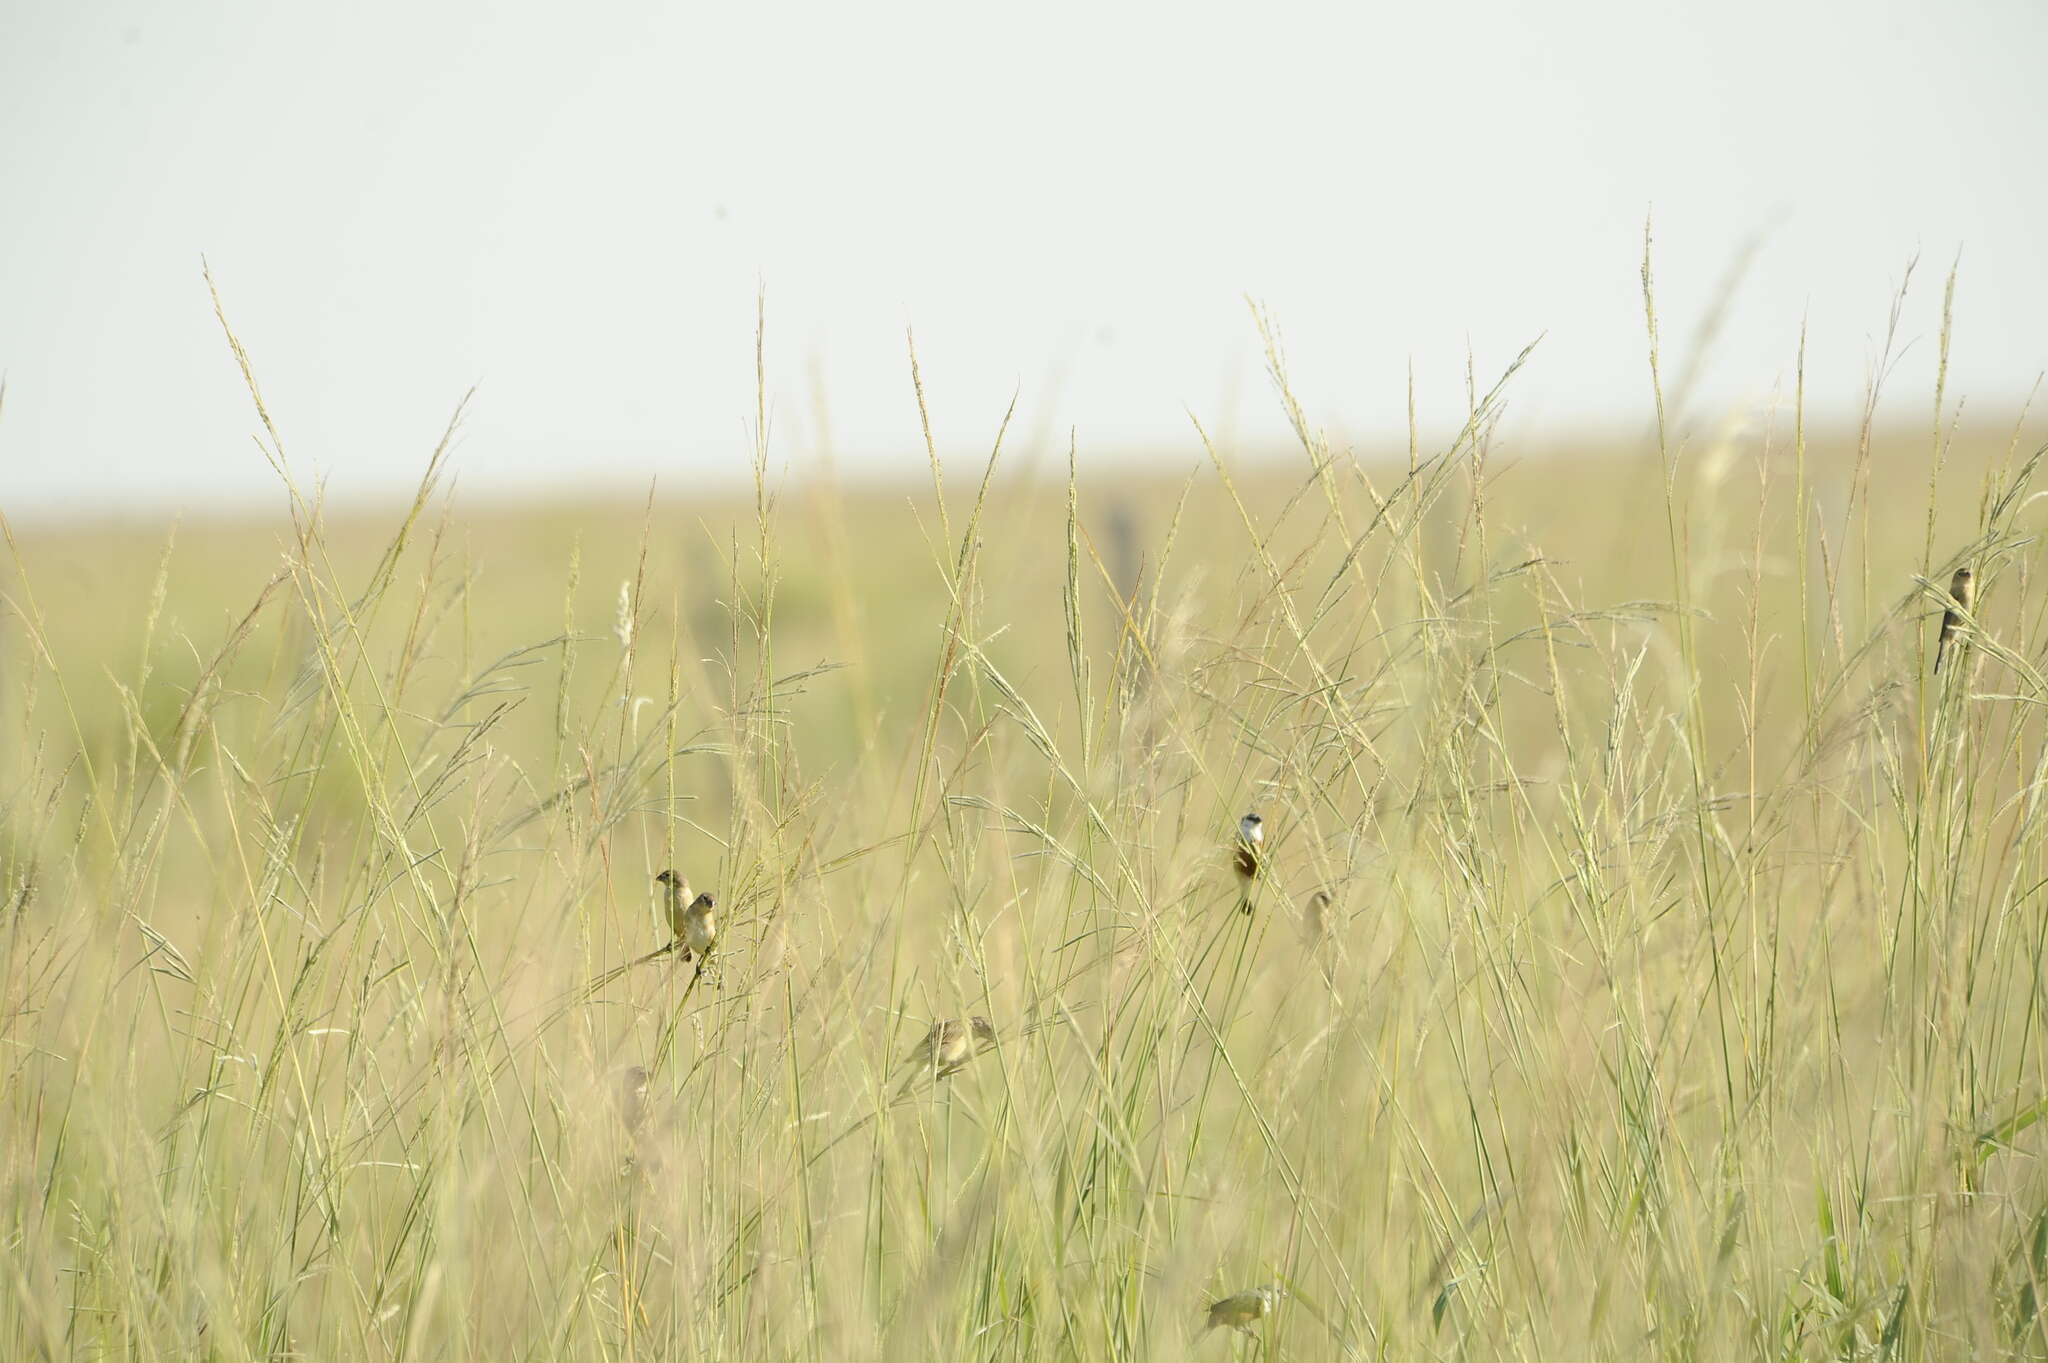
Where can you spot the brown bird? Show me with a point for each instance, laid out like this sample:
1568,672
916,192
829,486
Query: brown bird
700,929
675,899
1318,920
1962,587
949,1045
1239,1311
690,919
629,1101
1249,858
631,1097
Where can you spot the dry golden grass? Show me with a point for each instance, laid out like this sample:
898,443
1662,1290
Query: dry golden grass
1680,999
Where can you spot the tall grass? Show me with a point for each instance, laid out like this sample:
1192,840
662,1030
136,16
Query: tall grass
1680,996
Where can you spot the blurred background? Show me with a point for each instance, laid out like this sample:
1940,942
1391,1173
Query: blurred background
1073,206
1649,951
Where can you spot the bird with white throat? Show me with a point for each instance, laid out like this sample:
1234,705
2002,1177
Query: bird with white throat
1249,858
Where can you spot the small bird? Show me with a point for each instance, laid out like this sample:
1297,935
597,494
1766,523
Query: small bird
631,1097
690,919
700,929
1963,587
1249,859
949,1045
1239,1311
675,900
1318,919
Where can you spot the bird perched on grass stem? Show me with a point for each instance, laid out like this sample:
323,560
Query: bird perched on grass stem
1319,918
691,920
630,1096
1241,1310
1249,858
675,899
1962,587
949,1044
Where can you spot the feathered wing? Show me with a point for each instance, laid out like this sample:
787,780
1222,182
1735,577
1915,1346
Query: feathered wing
1963,588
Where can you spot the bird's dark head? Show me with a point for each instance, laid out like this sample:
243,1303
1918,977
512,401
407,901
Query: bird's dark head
668,877
984,1031
704,901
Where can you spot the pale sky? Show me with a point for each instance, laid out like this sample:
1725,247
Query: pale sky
572,207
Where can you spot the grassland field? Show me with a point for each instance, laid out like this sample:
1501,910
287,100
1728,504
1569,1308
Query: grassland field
1680,996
